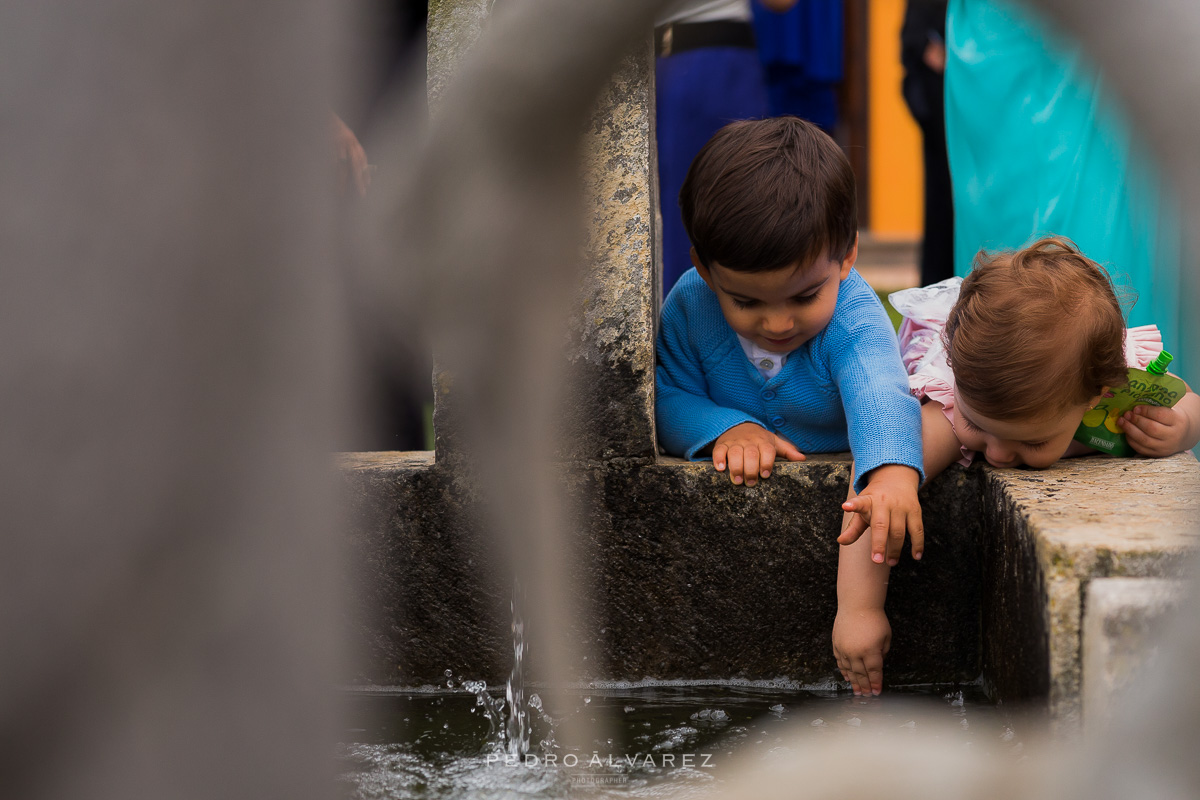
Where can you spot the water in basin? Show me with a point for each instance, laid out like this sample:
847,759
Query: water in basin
666,740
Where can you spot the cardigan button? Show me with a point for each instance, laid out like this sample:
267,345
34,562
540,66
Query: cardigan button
777,421
768,394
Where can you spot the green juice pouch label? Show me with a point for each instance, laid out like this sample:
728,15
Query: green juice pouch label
1151,386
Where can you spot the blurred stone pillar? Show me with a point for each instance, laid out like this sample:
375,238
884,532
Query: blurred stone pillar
611,350
1122,630
171,382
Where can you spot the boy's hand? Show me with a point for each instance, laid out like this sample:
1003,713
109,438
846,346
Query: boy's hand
889,507
861,638
1156,431
750,451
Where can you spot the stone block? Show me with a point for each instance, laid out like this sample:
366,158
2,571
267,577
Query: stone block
1015,640
1081,519
611,348
695,578
691,576
426,592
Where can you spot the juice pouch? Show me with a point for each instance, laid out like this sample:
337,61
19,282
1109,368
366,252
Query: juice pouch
1151,386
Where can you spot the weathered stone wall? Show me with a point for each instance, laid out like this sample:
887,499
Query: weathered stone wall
692,576
613,324
1014,624
1055,530
696,578
426,593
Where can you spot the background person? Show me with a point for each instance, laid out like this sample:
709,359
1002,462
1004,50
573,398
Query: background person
707,74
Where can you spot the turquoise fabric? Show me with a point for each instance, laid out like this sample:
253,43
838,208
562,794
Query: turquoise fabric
1037,145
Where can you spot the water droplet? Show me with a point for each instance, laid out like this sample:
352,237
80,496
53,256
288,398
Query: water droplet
910,724
1008,735
448,673
964,724
587,700
778,708
819,723
629,709
854,722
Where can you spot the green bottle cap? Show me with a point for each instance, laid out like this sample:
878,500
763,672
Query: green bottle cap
1159,365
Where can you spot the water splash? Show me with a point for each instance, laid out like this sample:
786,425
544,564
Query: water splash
510,727
517,728
493,710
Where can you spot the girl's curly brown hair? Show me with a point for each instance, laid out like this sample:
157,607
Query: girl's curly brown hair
1035,331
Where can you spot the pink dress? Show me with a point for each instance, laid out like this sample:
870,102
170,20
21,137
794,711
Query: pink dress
929,376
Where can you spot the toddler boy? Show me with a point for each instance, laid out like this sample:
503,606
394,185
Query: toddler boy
773,345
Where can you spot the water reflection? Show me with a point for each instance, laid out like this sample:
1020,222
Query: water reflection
664,741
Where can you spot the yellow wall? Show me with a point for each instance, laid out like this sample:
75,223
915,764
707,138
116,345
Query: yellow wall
896,177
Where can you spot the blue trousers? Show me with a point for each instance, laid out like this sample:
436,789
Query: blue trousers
698,92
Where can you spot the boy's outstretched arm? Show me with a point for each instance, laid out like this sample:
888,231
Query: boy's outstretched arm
1156,431
861,632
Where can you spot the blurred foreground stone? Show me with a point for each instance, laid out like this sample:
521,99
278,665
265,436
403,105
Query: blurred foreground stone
1123,625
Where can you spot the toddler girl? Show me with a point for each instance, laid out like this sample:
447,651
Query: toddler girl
1007,361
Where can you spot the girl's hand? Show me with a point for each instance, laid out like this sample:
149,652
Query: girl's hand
889,508
1158,432
861,638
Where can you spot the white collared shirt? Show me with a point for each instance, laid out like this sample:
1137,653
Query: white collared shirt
767,363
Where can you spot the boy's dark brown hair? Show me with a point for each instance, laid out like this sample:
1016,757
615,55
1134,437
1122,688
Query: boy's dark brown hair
1035,331
764,194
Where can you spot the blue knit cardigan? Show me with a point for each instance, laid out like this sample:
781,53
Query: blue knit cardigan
843,389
